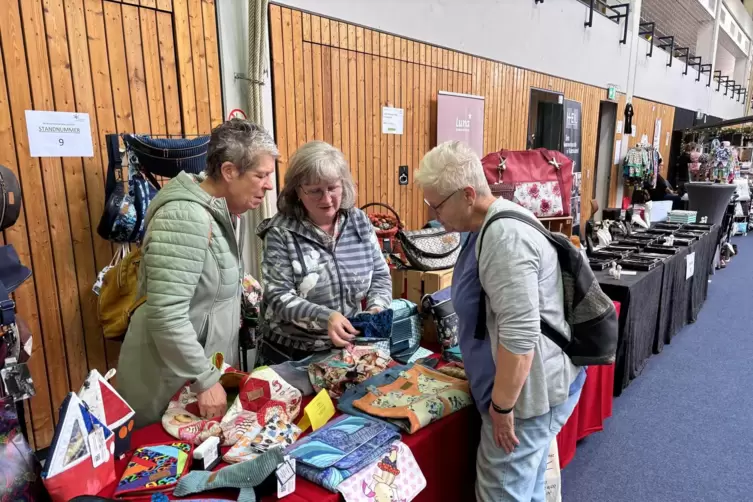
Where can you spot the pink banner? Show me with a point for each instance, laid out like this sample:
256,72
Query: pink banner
461,117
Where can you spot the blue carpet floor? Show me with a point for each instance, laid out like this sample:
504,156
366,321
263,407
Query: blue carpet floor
683,431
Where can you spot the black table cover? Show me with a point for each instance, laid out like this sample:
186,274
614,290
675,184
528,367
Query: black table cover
675,297
705,249
639,296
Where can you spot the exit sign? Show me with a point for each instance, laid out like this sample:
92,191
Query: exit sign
611,93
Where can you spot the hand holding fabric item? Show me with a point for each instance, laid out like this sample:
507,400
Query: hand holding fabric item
350,366
340,330
373,325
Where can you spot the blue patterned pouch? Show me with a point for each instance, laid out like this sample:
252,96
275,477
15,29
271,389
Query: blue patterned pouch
340,449
439,305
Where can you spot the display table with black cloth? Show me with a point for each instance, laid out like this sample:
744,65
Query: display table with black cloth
445,451
682,298
640,297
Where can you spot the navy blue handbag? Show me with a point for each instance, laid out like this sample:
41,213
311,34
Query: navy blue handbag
169,156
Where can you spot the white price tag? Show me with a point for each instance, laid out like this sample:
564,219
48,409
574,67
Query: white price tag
689,266
286,477
98,446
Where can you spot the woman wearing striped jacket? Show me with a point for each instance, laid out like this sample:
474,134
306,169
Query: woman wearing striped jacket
322,261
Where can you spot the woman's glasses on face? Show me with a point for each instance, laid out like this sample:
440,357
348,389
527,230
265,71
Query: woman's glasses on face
318,193
436,208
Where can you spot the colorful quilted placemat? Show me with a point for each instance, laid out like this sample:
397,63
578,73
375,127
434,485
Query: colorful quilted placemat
154,468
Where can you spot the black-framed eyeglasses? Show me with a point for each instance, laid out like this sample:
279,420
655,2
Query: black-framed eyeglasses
436,208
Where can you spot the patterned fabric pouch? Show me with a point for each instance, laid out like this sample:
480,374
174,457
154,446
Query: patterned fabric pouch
350,366
341,448
417,398
277,432
439,305
154,468
370,325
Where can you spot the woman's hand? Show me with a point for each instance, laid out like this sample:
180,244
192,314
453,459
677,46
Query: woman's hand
374,310
213,402
504,430
339,330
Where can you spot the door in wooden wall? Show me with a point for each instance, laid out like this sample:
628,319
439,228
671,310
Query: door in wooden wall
145,66
604,153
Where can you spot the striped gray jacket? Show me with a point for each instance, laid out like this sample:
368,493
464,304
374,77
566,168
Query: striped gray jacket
307,275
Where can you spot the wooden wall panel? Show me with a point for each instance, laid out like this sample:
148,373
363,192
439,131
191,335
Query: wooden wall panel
409,74
133,66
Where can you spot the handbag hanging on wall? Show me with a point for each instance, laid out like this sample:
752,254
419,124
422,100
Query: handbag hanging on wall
542,179
430,248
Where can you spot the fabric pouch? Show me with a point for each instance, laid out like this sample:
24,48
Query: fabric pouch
439,305
417,398
370,325
341,448
407,330
395,476
154,468
350,366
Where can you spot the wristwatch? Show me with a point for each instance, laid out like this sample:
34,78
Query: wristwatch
501,411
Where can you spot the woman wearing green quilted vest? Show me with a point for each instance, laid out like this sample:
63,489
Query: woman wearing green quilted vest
191,272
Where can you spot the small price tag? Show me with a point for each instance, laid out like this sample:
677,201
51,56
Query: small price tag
98,446
285,477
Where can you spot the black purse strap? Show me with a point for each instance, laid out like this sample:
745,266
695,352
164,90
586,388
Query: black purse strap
7,307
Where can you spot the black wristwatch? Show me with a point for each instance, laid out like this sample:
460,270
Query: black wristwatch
501,411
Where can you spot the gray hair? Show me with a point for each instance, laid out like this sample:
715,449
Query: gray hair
450,167
313,163
240,142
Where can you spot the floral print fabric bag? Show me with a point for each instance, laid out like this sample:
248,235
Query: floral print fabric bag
418,397
346,368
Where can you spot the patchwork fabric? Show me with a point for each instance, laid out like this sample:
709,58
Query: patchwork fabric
262,395
541,198
440,305
340,449
418,397
395,476
277,432
155,468
350,366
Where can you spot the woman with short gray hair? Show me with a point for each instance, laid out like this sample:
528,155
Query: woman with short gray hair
524,385
190,275
321,259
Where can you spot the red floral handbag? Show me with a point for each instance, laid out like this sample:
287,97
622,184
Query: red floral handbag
542,179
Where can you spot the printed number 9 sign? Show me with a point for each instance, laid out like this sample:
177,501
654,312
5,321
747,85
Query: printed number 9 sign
61,142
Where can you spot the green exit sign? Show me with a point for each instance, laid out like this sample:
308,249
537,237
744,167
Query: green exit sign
611,93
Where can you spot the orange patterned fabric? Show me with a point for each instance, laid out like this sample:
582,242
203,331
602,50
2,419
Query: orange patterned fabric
418,397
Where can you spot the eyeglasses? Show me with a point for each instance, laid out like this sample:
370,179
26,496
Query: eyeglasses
318,193
436,208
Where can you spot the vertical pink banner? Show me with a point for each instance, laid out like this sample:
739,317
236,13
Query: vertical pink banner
461,117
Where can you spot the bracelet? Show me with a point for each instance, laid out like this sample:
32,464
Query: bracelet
501,410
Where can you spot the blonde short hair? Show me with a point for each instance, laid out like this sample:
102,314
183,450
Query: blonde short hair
315,162
450,167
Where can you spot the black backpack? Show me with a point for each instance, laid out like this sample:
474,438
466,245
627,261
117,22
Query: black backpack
588,310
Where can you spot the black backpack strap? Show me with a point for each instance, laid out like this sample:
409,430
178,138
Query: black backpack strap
546,329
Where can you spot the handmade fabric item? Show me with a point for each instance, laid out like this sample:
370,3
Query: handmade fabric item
109,407
395,476
430,248
243,449
341,448
245,476
19,469
407,330
277,433
542,179
261,396
345,403
251,297
296,373
417,398
439,305
350,366
81,459
370,325
154,468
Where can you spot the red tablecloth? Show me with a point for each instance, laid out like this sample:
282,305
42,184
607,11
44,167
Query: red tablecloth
445,450
594,407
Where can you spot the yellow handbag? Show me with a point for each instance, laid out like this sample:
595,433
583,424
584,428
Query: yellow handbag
118,296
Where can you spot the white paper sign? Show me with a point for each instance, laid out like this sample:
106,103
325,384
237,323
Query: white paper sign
392,120
619,126
657,134
617,151
59,134
689,266
552,476
286,477
635,131
666,141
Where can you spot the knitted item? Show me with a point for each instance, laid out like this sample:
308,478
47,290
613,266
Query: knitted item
245,476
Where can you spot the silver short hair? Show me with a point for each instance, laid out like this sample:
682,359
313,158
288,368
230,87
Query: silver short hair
313,163
450,167
240,142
